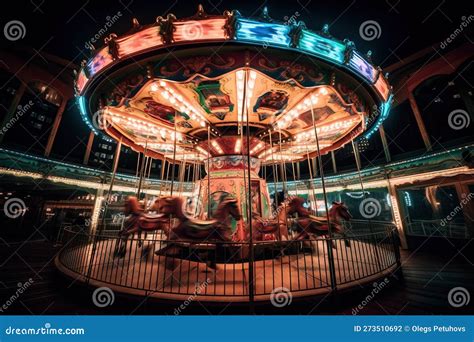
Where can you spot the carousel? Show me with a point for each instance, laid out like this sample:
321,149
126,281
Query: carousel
231,107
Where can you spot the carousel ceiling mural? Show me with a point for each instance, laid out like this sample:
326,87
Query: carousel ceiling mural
223,80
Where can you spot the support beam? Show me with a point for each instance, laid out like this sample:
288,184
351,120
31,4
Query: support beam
88,148
96,210
118,149
314,162
386,150
333,158
419,121
396,214
54,129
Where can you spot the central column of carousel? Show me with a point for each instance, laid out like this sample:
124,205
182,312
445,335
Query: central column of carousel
227,177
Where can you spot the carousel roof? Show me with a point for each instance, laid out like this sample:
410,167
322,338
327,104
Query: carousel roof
193,88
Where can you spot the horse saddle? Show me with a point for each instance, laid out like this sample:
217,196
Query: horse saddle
202,224
150,221
322,224
318,220
312,222
267,227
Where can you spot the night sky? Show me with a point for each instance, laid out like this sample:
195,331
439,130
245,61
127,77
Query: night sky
62,27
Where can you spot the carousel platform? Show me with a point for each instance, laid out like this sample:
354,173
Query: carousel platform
221,273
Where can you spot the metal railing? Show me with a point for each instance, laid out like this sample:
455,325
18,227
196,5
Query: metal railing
435,228
157,266
358,227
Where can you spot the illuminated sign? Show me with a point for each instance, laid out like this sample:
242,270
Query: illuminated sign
81,81
262,33
364,68
321,46
100,60
139,41
382,87
199,30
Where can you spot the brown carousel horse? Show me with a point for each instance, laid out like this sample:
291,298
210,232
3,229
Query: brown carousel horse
194,230
309,225
138,221
276,226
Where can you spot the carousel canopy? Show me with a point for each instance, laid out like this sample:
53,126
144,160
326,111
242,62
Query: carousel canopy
190,89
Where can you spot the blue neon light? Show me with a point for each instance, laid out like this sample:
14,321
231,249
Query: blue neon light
364,68
321,46
384,111
81,102
263,33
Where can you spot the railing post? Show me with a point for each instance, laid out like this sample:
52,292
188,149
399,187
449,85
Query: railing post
332,269
396,247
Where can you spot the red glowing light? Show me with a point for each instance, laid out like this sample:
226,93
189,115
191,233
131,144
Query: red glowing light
382,87
81,81
207,29
100,60
139,41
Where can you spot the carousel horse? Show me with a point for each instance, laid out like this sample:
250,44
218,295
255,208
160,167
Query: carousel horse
138,221
309,225
195,230
276,226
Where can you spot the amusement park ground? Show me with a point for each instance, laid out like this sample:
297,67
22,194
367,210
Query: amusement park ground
421,288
